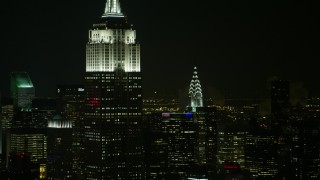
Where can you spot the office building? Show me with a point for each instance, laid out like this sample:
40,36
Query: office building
111,130
280,96
173,146
6,117
70,101
22,90
43,110
261,152
29,141
60,155
21,167
231,144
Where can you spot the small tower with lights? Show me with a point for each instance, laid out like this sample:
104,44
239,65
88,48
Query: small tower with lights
195,91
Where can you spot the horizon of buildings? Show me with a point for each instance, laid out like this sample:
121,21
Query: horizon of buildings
104,130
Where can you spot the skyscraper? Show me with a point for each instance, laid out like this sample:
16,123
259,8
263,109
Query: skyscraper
27,134
60,156
261,154
173,148
195,91
280,96
111,130
206,123
22,90
70,102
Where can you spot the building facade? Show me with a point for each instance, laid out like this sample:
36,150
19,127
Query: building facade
22,90
195,91
60,155
111,130
70,101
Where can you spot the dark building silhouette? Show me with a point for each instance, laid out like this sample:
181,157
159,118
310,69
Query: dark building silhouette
261,152
181,145
231,144
60,155
21,167
280,97
70,102
6,117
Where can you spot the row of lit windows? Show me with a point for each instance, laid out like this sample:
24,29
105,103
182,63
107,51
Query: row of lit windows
107,76
115,108
134,86
111,114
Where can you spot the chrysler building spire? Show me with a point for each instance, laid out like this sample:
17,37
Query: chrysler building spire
113,9
195,91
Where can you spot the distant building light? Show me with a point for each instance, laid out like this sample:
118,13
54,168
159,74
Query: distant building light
189,115
231,166
165,115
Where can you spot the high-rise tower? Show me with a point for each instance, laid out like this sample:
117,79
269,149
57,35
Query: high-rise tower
195,91
22,90
280,96
111,128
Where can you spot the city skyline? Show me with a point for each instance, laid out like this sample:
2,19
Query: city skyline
140,112
237,46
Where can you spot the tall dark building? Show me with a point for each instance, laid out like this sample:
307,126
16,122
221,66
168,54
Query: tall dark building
111,130
261,152
70,100
174,147
6,117
60,156
21,167
280,96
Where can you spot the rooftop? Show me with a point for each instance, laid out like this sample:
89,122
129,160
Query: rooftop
22,80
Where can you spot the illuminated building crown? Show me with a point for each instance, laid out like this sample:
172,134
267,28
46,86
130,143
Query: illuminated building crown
113,9
112,43
195,91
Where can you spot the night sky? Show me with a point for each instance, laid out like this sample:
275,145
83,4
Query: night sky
237,45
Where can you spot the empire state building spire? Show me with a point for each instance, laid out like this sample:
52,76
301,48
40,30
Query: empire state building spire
111,129
195,91
113,9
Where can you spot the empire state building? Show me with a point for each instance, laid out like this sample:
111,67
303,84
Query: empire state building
111,128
